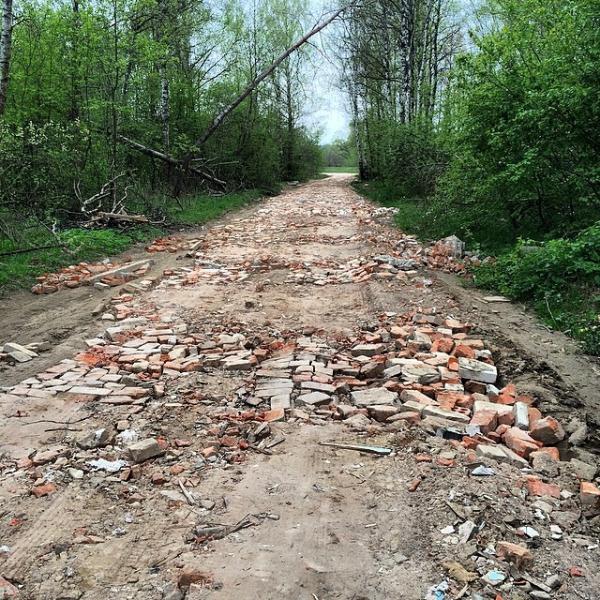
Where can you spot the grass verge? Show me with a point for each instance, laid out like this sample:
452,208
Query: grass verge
20,270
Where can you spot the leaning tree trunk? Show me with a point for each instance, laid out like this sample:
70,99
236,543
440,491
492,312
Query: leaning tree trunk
5,50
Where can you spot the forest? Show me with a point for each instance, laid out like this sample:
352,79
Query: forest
476,118
483,120
110,106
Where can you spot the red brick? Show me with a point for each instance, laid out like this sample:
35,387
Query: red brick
514,553
43,490
506,399
464,351
548,431
487,420
536,487
502,429
534,415
589,494
520,442
423,458
277,414
444,345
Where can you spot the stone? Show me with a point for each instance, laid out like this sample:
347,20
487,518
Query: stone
358,422
414,407
423,374
476,370
90,391
416,396
281,401
144,450
436,411
326,388
368,349
373,396
514,553
543,463
500,454
579,435
315,399
393,371
94,439
18,352
583,470
547,430
44,457
382,412
521,413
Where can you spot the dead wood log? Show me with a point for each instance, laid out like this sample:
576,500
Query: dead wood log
120,217
171,160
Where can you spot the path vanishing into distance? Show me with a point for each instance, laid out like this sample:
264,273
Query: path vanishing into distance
182,435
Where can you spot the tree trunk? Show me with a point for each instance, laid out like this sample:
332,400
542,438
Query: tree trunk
5,51
164,107
218,120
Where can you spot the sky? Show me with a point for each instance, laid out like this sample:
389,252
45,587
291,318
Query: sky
326,108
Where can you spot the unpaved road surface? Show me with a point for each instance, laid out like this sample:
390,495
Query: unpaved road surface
176,447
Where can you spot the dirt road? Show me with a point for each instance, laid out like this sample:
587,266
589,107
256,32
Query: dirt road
179,453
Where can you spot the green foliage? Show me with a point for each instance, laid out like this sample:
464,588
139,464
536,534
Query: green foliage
200,209
340,153
522,123
561,278
412,214
84,73
83,245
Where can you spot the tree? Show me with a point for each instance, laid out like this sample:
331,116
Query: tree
5,50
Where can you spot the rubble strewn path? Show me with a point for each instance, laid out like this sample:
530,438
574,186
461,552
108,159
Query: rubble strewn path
296,407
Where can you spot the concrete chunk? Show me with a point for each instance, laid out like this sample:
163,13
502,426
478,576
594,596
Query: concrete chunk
475,370
144,450
436,411
315,399
373,396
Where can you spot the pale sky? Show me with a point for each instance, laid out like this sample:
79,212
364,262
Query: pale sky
326,108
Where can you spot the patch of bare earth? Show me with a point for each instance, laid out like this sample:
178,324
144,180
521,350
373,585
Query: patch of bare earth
180,449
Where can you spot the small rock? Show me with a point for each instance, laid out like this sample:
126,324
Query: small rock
95,439
144,450
358,422
476,370
374,396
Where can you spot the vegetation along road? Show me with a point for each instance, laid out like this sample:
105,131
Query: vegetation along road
299,299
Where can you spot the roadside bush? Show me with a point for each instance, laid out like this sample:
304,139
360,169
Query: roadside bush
560,277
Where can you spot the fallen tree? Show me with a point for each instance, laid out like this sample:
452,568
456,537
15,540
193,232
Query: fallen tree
185,164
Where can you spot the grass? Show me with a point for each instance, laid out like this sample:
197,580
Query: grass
353,170
199,210
20,270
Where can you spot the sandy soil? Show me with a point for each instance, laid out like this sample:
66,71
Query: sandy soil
328,523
